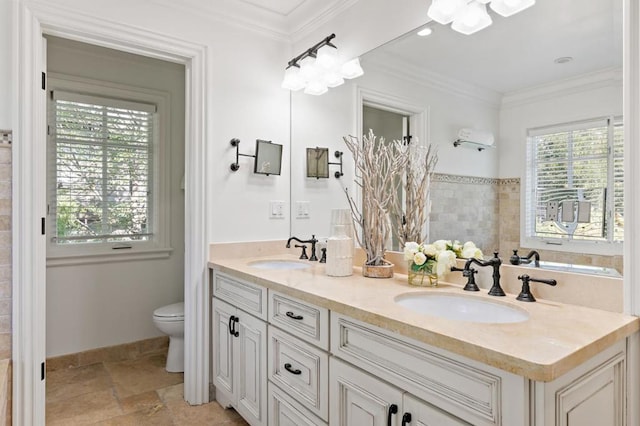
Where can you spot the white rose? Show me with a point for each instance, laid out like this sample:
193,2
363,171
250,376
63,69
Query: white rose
430,250
469,244
419,259
470,252
410,249
446,259
456,245
441,244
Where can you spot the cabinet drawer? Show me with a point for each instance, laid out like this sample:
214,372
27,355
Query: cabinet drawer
301,370
285,411
461,386
249,297
304,320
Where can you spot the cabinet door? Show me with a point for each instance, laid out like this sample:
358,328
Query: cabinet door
359,399
223,365
418,413
250,353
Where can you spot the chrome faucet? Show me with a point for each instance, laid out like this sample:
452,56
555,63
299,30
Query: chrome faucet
516,259
312,241
495,263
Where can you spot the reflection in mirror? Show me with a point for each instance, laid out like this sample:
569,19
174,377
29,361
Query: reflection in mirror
318,163
507,79
268,158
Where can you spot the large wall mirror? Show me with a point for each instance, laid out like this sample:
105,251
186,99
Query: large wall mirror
552,64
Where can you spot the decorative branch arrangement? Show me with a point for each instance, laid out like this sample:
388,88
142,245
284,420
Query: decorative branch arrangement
378,168
421,163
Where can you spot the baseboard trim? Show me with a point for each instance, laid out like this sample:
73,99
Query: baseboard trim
124,352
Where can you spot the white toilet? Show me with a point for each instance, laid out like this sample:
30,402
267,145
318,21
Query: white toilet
170,320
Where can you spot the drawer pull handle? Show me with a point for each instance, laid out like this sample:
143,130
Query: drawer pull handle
406,419
236,320
232,319
294,316
287,367
393,409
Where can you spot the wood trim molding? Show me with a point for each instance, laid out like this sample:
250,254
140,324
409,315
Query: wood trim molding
632,154
29,255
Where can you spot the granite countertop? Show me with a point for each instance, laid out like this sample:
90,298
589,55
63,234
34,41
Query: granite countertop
556,338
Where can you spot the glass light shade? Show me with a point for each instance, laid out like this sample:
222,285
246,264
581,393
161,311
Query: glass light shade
510,7
292,79
444,11
351,69
472,19
333,79
316,87
327,57
308,69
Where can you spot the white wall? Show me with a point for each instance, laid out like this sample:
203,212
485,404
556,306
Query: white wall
98,305
324,120
5,65
565,103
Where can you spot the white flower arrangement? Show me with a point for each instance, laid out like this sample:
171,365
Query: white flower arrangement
439,256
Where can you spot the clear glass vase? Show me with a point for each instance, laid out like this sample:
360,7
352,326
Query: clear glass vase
421,277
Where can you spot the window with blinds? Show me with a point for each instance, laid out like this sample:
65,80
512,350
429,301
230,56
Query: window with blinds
101,169
575,181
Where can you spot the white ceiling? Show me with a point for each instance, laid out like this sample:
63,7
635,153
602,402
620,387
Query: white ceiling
285,19
519,51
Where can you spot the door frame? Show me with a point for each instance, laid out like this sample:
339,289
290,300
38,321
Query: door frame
31,22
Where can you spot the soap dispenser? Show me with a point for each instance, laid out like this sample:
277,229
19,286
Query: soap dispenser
340,244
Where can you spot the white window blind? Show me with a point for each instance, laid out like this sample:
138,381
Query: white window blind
101,166
576,171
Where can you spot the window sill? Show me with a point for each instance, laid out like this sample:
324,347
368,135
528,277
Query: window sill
104,257
586,248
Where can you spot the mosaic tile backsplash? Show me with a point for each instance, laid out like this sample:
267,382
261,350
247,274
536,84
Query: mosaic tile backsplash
487,211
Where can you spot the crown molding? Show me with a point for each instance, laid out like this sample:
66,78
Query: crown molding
241,15
390,64
590,81
305,28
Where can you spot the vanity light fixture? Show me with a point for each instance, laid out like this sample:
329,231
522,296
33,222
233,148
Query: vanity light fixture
470,16
319,68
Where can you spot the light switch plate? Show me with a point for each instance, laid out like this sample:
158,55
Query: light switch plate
303,209
276,209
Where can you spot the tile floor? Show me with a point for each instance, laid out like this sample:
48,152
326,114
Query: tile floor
135,392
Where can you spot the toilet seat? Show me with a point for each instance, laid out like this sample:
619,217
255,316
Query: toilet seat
174,312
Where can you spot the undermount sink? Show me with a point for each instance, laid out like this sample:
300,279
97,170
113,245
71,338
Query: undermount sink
461,308
279,264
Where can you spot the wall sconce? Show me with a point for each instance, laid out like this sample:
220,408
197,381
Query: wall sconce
468,17
267,159
319,68
318,163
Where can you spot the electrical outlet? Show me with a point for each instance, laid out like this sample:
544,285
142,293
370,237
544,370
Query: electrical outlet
302,209
276,209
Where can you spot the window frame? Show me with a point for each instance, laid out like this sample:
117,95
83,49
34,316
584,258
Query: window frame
158,246
609,247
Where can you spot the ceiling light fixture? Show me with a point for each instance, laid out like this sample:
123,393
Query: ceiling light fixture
319,68
470,16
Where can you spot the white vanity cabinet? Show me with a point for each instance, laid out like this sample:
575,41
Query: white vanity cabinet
360,399
298,360
240,342
440,388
